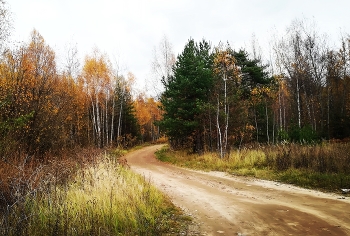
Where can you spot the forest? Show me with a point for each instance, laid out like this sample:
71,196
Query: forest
44,111
210,97
57,118
218,98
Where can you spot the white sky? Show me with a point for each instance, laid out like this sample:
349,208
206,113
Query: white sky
130,29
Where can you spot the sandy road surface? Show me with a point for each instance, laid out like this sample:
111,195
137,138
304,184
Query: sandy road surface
229,205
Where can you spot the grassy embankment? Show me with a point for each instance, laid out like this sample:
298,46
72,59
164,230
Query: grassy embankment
94,197
324,166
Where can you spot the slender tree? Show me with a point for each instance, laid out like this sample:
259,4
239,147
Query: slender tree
163,61
228,74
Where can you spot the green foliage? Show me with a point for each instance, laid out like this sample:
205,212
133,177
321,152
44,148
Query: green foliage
8,129
186,92
303,135
12,124
129,125
282,135
253,74
315,180
164,155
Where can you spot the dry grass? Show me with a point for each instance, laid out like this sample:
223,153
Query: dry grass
323,166
91,195
24,175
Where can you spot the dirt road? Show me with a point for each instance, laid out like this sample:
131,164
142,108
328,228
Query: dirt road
230,205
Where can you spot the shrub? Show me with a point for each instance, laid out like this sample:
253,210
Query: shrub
303,135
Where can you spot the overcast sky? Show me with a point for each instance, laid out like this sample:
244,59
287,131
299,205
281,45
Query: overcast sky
130,29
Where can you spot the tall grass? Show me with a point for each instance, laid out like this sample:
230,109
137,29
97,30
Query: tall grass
323,166
103,198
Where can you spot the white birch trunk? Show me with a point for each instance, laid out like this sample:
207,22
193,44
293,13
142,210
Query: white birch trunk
280,108
256,125
119,121
267,123
219,129
226,131
93,119
106,118
298,104
98,122
226,116
120,115
112,120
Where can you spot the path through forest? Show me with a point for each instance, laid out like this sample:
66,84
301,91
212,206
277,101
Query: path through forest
229,205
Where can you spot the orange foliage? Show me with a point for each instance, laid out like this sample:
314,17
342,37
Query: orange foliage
147,112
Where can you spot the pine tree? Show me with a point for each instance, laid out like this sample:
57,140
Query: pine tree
185,94
256,88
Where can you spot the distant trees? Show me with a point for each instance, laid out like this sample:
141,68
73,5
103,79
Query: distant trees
312,74
214,98
303,63
148,114
110,105
44,111
227,98
336,92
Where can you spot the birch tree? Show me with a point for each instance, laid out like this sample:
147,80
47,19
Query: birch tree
97,78
5,23
163,61
302,54
228,74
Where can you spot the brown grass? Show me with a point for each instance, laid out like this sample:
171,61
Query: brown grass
89,192
24,175
323,166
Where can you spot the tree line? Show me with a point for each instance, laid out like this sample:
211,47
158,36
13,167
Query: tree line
214,97
43,110
217,98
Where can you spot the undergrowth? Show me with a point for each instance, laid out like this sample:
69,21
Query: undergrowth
324,166
101,197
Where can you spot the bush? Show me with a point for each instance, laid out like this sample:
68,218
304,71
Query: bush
303,135
283,135
283,159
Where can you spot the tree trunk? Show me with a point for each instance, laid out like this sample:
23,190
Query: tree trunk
120,120
98,122
256,126
93,118
267,123
280,108
226,116
112,120
219,142
298,103
106,119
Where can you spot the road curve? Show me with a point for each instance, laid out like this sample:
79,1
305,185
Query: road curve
229,205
